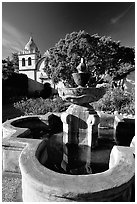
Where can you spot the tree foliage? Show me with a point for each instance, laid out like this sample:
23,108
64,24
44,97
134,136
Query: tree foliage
102,55
9,66
15,60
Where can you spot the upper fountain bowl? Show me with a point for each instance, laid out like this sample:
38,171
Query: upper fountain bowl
81,79
82,95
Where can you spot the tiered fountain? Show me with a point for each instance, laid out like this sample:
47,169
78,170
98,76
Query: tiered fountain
80,123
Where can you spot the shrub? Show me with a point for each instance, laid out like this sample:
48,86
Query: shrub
41,106
117,100
15,86
19,81
113,100
47,91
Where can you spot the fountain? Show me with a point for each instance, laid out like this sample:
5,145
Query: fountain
73,163
80,123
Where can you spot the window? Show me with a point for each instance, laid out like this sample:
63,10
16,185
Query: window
23,62
29,61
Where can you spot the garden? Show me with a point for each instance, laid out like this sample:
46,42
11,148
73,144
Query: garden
105,59
113,100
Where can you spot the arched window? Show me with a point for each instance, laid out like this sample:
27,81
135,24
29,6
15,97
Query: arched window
29,61
23,62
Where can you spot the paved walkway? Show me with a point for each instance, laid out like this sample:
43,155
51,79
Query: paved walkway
11,187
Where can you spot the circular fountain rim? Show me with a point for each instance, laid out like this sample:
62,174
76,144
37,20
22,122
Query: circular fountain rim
42,176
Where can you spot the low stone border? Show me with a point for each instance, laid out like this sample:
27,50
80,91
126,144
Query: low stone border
40,184
14,141
132,145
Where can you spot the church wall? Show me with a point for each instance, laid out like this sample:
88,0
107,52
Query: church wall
40,72
38,75
30,74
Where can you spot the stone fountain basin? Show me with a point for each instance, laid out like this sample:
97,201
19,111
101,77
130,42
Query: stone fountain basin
82,95
26,155
20,131
40,184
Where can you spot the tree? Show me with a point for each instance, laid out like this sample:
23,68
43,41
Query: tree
7,67
102,55
10,66
15,61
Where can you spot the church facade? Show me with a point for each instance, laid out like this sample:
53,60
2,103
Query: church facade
32,64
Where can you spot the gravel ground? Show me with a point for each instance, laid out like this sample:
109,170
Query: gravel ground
11,187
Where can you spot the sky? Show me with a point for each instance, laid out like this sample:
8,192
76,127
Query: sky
48,22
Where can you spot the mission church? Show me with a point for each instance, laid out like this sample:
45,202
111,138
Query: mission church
31,63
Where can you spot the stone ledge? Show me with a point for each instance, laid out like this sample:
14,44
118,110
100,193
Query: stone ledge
16,137
46,185
14,141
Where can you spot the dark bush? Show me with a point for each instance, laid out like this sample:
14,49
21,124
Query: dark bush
47,91
19,81
14,86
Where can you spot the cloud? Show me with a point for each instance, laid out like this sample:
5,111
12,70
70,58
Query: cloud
117,18
12,38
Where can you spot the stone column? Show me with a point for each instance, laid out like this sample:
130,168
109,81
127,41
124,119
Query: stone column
80,135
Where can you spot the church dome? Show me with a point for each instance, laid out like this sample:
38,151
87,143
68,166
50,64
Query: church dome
31,46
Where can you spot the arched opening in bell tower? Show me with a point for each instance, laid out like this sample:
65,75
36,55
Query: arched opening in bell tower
29,61
23,62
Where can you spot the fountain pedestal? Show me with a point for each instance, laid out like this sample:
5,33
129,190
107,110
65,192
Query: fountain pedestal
80,123
80,134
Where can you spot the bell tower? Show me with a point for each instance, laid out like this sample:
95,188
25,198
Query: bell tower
28,59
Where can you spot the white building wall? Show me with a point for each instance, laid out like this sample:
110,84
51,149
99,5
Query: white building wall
30,73
40,70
